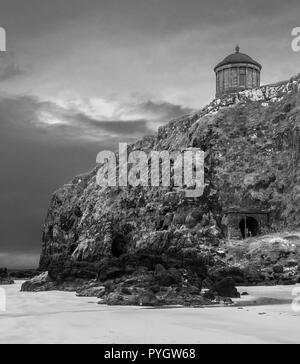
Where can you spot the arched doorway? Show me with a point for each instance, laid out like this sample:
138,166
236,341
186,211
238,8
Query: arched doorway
249,228
119,245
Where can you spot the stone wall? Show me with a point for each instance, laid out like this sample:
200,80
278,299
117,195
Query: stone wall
229,78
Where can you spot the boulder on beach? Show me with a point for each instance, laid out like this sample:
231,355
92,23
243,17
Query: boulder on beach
39,283
226,288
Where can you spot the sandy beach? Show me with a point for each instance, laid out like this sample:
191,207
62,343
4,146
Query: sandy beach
61,317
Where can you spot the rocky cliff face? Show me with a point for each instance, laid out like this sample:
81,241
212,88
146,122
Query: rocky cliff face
252,145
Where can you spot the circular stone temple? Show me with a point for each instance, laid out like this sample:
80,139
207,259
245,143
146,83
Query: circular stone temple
237,72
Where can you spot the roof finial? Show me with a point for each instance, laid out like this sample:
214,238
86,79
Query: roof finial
237,49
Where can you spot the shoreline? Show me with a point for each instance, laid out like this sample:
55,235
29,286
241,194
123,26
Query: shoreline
61,317
255,296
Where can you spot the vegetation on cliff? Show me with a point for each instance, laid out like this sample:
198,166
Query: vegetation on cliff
155,243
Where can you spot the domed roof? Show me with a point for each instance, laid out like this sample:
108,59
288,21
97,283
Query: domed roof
238,57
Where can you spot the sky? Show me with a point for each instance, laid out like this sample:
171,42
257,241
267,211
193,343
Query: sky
79,77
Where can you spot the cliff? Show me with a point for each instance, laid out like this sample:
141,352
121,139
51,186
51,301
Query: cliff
252,145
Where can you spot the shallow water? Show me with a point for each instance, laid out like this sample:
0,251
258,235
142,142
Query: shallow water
61,317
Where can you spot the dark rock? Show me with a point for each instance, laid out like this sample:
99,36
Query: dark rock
5,279
166,278
191,222
111,273
91,290
278,269
176,275
220,272
291,263
23,274
207,283
117,299
227,301
193,290
155,288
209,295
139,298
149,299
226,288
287,108
40,283
252,274
3,273
127,291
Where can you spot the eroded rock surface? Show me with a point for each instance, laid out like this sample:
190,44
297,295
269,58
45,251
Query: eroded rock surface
160,247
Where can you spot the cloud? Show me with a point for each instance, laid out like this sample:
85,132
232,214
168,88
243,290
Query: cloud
44,145
99,119
8,67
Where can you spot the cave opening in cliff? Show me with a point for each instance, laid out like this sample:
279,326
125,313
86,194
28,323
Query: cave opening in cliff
249,227
119,246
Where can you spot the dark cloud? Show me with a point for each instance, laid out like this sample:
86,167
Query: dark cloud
34,163
121,128
164,48
155,112
37,158
8,67
164,110
34,16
